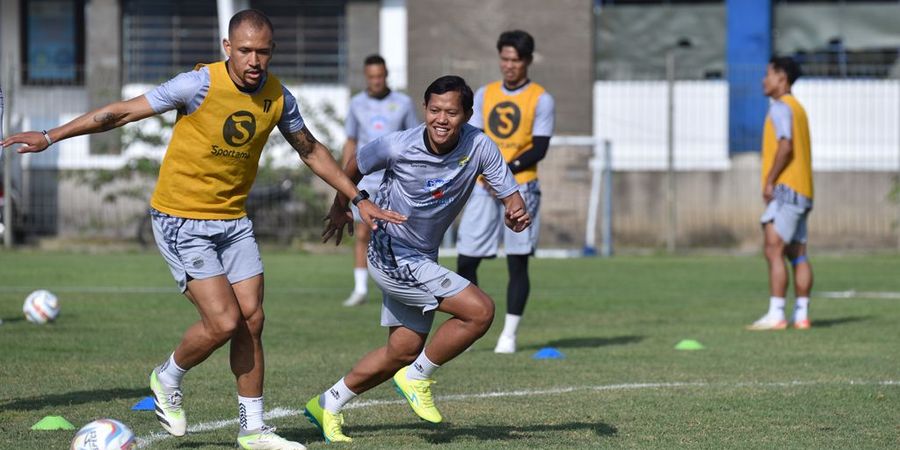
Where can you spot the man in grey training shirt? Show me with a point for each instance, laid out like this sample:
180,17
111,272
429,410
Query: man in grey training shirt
373,113
430,172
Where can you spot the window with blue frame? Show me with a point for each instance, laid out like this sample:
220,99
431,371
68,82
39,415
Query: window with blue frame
53,41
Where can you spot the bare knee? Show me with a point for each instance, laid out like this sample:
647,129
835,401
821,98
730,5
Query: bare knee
774,251
255,321
223,326
403,354
482,313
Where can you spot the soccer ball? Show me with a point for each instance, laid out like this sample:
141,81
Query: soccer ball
103,434
41,307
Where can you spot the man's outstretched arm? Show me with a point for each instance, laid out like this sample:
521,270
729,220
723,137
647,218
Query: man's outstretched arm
320,161
111,116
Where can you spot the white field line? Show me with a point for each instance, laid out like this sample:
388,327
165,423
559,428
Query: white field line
889,295
145,289
146,441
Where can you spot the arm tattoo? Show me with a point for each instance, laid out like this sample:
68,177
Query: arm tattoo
303,142
107,121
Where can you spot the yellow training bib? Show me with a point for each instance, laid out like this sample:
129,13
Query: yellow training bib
798,173
509,120
212,158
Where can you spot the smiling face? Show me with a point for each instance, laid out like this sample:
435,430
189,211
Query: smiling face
249,50
513,68
444,119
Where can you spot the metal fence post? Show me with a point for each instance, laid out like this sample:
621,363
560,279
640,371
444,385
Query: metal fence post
606,248
7,181
670,151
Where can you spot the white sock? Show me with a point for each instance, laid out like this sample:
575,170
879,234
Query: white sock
776,307
422,368
335,398
361,278
801,309
169,374
511,325
250,413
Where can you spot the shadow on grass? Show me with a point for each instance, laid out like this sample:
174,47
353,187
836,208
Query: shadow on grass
827,323
207,444
74,398
12,319
446,432
587,342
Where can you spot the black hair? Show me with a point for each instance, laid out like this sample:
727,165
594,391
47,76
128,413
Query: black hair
255,17
786,65
519,40
374,59
452,83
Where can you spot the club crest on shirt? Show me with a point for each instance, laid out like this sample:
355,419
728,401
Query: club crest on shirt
435,187
464,160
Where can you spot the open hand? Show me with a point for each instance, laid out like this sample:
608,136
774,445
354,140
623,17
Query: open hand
34,141
370,213
338,217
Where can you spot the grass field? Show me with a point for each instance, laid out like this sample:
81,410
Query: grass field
621,384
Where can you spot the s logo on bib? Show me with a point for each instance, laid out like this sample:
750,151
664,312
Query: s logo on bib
504,119
239,128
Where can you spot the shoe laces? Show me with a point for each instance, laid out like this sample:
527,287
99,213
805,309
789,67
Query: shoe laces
267,432
423,388
334,427
175,399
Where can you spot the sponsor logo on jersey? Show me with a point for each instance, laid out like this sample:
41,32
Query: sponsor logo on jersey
215,150
464,160
239,128
504,119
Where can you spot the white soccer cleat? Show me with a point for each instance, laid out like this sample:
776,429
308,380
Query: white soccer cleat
506,344
168,407
356,299
266,439
768,322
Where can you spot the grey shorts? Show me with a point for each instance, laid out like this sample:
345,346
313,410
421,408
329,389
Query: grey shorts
412,290
199,249
482,224
788,213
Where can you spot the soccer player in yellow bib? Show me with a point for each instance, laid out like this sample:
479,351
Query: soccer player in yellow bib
226,112
517,114
787,189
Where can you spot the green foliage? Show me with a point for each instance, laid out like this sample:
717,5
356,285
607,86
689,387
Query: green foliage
617,321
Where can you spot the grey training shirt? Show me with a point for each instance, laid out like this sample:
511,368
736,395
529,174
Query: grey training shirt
430,189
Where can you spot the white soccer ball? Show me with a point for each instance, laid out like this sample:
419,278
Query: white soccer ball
41,307
103,434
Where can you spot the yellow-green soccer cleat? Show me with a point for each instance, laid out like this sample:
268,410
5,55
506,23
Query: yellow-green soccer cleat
326,421
266,439
418,394
168,407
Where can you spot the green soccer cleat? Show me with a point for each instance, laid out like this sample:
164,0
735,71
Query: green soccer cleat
418,394
266,439
168,407
326,421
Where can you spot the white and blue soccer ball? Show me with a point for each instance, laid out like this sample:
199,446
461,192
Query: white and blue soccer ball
41,306
104,434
